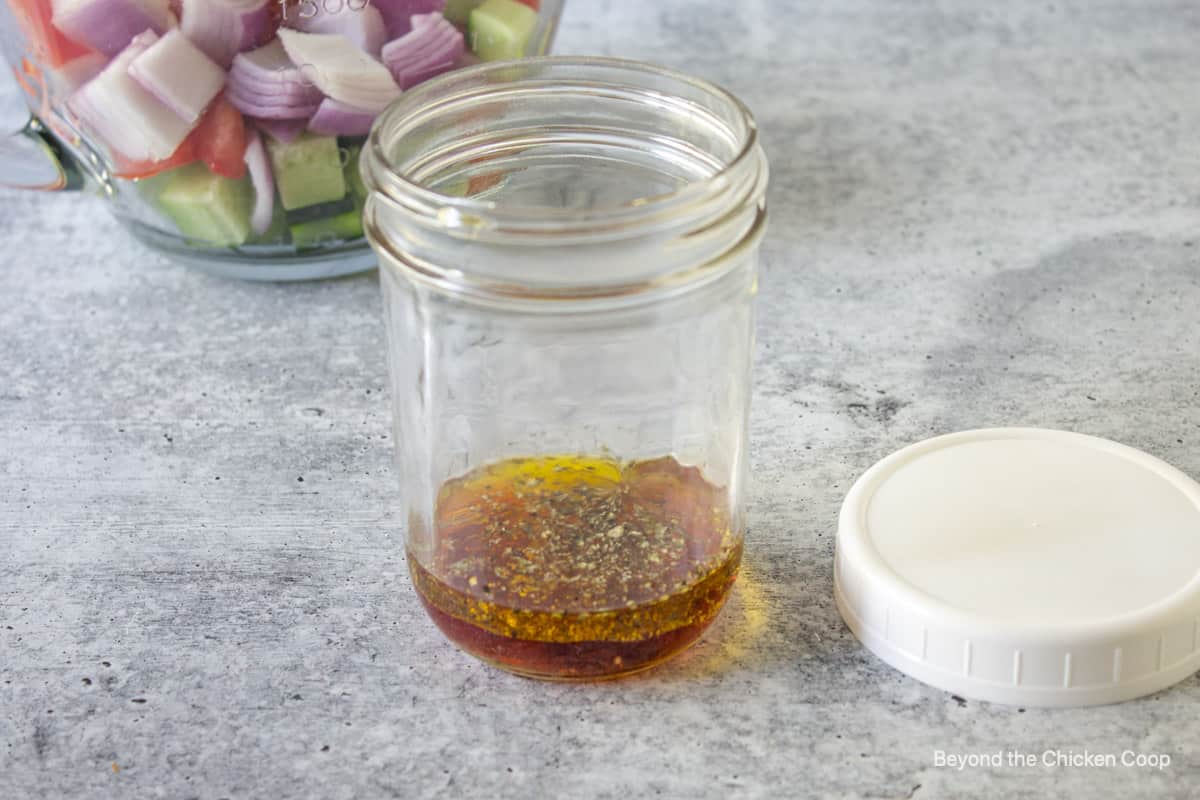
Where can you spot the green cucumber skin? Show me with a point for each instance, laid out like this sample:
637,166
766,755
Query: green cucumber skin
329,230
320,211
354,178
499,30
335,221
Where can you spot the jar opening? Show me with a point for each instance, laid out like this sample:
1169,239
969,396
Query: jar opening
592,154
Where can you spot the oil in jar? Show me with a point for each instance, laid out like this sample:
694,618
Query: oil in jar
574,567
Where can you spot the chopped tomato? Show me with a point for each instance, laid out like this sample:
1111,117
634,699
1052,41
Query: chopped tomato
536,5
46,42
184,154
221,139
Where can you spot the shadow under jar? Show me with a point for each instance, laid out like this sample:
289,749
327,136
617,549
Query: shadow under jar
568,255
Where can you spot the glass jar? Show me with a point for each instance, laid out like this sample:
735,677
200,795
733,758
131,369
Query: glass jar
568,256
214,140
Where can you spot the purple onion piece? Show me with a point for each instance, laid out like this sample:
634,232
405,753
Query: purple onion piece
338,119
256,107
398,14
432,47
284,131
179,74
110,25
365,28
125,117
222,29
263,181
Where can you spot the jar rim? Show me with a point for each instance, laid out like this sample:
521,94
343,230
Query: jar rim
474,215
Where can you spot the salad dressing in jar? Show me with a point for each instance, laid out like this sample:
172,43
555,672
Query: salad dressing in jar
568,256
578,566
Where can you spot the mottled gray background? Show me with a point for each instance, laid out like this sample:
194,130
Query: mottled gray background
984,213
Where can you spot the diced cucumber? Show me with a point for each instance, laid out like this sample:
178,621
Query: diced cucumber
347,225
308,171
327,223
336,219
457,11
208,208
151,211
151,187
278,232
354,178
500,29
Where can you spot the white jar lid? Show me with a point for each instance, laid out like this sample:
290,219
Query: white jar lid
1025,566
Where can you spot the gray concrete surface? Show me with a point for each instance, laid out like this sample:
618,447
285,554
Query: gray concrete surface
984,214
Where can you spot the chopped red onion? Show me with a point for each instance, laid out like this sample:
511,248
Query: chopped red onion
270,69
123,115
179,74
284,131
299,101
423,20
224,28
364,27
340,70
275,90
265,83
263,181
338,119
398,14
258,106
110,25
432,47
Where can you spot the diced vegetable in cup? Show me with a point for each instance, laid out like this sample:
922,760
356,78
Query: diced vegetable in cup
244,118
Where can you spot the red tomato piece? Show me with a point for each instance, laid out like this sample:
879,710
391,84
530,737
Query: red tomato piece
221,139
184,154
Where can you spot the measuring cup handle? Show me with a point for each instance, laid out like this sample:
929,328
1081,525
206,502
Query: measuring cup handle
31,158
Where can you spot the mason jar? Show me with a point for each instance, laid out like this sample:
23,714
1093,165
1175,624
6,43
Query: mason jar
568,260
225,134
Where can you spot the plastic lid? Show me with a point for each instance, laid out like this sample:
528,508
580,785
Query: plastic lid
1025,566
